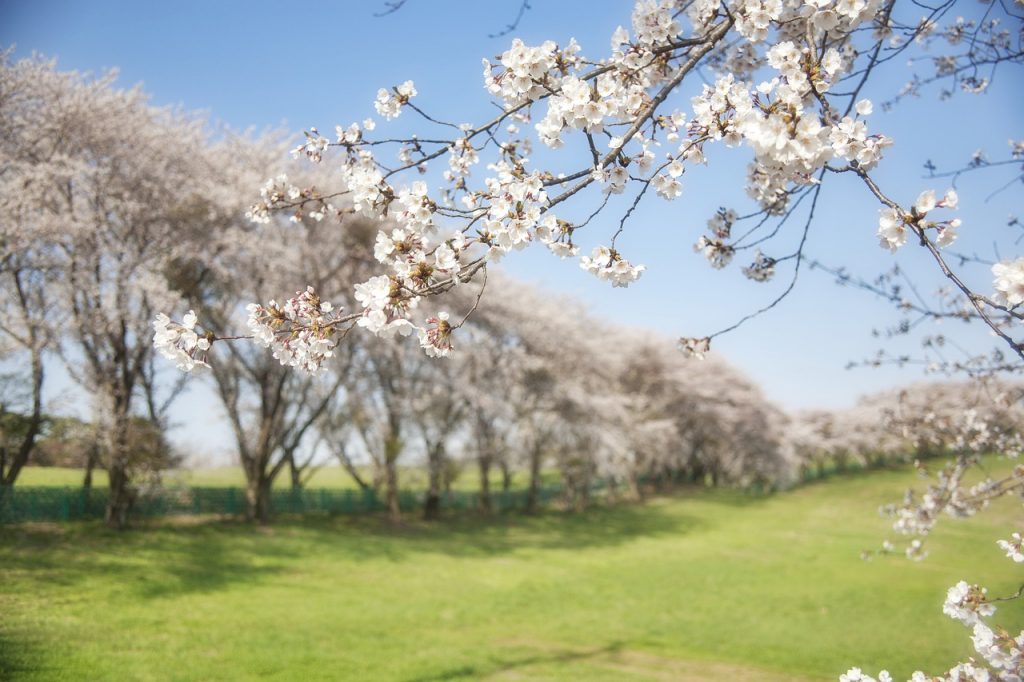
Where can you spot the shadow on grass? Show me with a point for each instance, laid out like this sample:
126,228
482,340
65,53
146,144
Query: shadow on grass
148,563
507,666
170,558
20,655
474,536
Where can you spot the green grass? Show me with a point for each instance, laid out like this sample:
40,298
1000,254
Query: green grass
703,585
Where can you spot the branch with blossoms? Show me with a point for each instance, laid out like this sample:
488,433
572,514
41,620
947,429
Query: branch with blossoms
895,223
971,364
1000,655
632,137
979,161
940,353
985,44
893,286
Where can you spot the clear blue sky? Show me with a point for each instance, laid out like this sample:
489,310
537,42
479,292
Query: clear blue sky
266,64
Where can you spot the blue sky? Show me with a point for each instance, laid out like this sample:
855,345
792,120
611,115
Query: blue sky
269,64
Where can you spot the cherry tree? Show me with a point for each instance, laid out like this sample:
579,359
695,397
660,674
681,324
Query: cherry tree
860,435
27,318
101,194
27,325
556,407
438,410
274,412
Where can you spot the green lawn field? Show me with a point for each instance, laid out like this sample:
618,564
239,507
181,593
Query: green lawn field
701,585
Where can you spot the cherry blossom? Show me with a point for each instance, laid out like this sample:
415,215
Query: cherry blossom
179,342
1009,282
389,104
299,332
608,264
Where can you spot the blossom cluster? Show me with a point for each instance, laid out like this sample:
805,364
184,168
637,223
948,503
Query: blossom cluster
1014,547
717,252
279,193
609,265
389,104
179,342
299,331
893,222
970,436
779,119
524,71
384,306
314,146
436,339
694,348
762,269
1001,654
1009,283
967,604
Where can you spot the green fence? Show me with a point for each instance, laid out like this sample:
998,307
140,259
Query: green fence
20,503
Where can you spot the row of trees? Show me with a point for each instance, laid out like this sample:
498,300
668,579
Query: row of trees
99,195
112,209
915,423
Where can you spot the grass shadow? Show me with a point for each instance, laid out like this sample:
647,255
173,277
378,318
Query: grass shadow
20,655
149,562
476,535
167,558
513,664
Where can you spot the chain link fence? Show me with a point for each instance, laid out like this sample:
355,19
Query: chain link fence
24,503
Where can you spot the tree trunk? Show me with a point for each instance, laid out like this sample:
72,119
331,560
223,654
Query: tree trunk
392,449
633,488
506,476
91,460
296,473
841,462
533,493
9,470
435,474
120,501
569,487
484,501
583,499
257,496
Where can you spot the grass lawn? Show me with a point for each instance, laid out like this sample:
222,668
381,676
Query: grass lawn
704,585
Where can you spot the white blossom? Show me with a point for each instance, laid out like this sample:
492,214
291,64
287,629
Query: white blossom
179,342
608,264
298,332
1009,282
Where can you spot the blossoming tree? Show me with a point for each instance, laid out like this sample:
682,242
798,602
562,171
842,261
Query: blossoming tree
101,194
